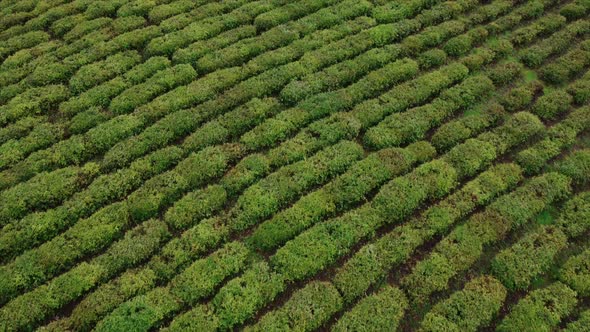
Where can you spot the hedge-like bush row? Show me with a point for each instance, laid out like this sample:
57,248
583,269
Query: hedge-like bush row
581,324
580,89
469,125
518,98
86,26
289,12
42,135
469,309
575,10
340,194
195,206
552,104
30,309
541,310
282,35
196,50
20,128
532,255
372,262
159,83
568,65
211,26
464,245
267,196
412,125
305,310
232,124
328,103
192,172
544,26
574,217
575,273
560,41
392,12
243,296
35,228
44,190
576,166
559,136
321,244
381,311
215,8
34,101
165,10
22,41
197,281
182,122
38,265
98,72
402,96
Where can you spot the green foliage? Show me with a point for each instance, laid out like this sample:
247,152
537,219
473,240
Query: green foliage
575,273
242,297
306,310
581,324
575,215
381,311
201,278
528,258
96,73
266,197
344,191
576,166
519,97
469,309
540,310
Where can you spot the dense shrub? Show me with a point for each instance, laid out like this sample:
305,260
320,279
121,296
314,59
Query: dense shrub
541,309
528,258
243,296
381,311
575,215
469,309
306,310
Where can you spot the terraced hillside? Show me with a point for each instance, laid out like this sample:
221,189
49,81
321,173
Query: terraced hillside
276,165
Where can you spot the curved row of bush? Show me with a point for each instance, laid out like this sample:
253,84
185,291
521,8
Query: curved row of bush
412,125
273,79
281,35
340,194
534,56
79,146
179,123
531,256
274,192
469,309
37,227
30,309
541,310
568,65
137,207
179,218
463,246
313,254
